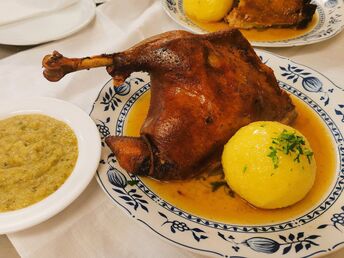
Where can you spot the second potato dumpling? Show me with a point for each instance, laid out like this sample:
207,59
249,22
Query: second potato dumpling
207,10
269,164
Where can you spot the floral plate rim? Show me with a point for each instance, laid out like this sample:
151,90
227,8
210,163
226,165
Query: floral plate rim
136,202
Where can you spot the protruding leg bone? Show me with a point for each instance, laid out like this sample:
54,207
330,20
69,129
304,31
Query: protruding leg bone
56,65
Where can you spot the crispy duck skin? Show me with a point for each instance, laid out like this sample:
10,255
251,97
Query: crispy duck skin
262,14
203,89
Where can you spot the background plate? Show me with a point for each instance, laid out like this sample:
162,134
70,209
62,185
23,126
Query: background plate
48,27
330,23
308,235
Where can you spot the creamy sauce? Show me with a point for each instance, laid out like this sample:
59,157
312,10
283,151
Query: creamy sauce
37,154
196,196
270,34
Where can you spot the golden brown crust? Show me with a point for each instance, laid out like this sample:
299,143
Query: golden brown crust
132,153
271,13
203,89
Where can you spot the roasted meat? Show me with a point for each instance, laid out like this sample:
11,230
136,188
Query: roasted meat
260,14
203,89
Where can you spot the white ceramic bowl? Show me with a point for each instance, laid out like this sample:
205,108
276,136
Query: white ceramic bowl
89,146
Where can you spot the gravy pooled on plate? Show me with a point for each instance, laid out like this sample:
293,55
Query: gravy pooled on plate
37,154
209,198
259,35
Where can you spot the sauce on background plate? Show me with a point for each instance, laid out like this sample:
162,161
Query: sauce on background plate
270,34
196,196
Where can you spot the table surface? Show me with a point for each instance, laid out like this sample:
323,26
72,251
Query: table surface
6,248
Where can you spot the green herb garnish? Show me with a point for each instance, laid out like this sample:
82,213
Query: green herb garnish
132,182
217,184
309,155
244,169
290,144
273,156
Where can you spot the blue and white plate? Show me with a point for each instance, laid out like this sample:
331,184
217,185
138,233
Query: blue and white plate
330,23
311,234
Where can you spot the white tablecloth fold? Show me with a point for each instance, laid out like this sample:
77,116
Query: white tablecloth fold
93,226
18,10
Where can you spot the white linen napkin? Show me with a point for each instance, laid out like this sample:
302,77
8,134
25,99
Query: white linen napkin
93,226
17,10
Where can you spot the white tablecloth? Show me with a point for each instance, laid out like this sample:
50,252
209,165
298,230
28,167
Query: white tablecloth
93,226
14,11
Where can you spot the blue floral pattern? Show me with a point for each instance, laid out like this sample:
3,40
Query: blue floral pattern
331,3
289,238
103,129
269,246
121,183
309,82
175,225
340,111
171,4
112,97
337,220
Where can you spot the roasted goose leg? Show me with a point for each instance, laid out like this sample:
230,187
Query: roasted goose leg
203,89
271,13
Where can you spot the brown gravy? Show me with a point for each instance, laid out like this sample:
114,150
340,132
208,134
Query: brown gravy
196,197
271,34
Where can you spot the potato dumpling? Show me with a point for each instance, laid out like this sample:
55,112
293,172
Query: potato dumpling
269,164
207,10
